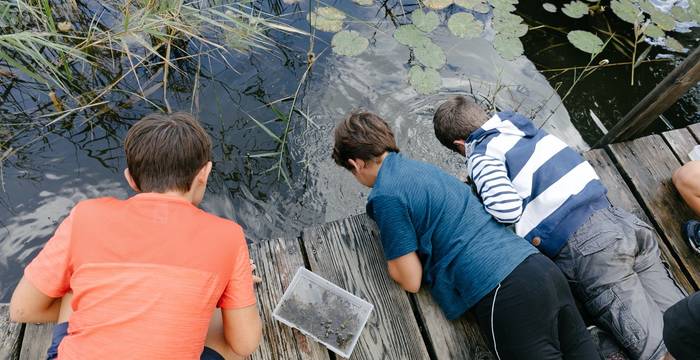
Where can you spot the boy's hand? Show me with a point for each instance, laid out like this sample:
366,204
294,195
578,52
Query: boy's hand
256,279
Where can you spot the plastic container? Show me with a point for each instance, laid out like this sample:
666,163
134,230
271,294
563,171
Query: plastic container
695,153
323,311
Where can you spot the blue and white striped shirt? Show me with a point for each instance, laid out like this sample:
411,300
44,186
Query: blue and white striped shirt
532,179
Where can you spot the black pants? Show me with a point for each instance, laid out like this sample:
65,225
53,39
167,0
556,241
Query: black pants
534,316
682,328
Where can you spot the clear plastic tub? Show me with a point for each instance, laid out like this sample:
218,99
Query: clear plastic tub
324,311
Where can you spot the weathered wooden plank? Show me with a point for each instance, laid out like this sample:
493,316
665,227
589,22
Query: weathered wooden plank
695,130
277,261
649,163
348,253
681,141
621,196
451,339
9,335
36,341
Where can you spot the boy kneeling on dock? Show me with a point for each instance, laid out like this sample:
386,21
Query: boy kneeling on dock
532,179
142,278
436,233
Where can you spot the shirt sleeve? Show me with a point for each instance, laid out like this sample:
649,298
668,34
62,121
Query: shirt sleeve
395,226
490,176
239,292
51,269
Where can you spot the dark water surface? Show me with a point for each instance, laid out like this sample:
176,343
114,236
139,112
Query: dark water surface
62,164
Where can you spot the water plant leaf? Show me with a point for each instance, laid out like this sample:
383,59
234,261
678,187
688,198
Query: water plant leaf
409,35
349,43
549,7
424,81
508,47
430,55
479,6
664,21
654,31
585,41
575,9
681,14
425,21
503,5
647,6
625,10
674,45
326,18
465,25
510,28
437,4
364,2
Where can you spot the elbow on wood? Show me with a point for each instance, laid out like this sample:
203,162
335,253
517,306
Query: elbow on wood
244,346
17,313
412,288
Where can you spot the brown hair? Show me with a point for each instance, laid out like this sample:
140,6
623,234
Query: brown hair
164,152
362,135
456,119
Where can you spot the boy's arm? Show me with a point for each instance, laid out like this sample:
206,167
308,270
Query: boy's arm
30,305
500,198
407,271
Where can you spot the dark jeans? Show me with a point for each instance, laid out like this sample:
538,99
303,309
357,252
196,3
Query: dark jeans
531,315
682,328
61,330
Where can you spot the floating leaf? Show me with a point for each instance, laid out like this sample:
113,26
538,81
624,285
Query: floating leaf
508,47
364,2
625,10
654,31
424,81
479,6
585,41
326,19
647,6
575,9
681,14
349,43
503,5
510,28
674,45
549,7
663,20
425,21
437,4
464,25
409,35
430,55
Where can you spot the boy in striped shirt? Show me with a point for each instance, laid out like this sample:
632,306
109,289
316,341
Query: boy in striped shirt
555,200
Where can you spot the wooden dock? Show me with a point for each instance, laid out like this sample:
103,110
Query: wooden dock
405,326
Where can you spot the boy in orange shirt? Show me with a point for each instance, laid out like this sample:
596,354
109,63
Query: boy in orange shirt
141,278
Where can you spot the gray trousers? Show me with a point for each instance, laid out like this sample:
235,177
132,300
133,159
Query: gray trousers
614,266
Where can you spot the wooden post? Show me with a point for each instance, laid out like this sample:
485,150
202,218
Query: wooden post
665,94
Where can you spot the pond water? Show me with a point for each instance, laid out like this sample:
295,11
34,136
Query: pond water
60,165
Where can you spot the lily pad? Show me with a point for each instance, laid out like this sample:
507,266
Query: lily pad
575,9
437,4
424,81
425,21
549,7
430,55
508,47
480,6
465,25
510,28
409,35
626,10
654,31
500,5
647,6
326,18
675,45
585,41
349,43
364,2
663,20
681,14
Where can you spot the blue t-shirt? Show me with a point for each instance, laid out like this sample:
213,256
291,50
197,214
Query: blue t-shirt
465,253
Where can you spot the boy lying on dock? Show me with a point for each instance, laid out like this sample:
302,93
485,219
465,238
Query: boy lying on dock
436,233
532,179
143,277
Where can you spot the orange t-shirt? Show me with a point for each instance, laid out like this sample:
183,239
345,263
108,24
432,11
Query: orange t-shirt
146,275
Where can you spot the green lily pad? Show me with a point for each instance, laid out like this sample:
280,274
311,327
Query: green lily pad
647,6
681,14
364,2
424,81
663,20
425,21
508,47
510,28
575,9
654,31
626,10
549,7
585,41
502,6
326,19
430,55
480,6
674,45
437,4
465,25
409,35
349,43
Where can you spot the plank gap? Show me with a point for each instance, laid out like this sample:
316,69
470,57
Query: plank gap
422,327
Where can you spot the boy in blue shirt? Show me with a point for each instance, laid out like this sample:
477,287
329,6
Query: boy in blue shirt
533,180
435,233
